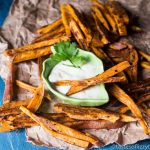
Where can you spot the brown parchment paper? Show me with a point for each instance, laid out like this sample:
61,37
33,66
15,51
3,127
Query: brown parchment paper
24,18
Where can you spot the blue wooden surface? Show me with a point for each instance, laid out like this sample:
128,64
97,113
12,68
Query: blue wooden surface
16,140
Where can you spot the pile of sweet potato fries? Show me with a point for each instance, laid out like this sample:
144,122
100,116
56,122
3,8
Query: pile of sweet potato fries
98,32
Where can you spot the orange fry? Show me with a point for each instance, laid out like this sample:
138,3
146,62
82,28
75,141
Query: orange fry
85,113
15,104
37,98
108,80
117,92
50,27
49,126
143,98
85,30
65,19
89,82
26,86
35,46
31,54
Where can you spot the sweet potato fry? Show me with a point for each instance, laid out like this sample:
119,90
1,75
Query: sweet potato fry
100,53
78,34
133,70
35,46
81,113
109,80
13,111
85,30
96,42
143,98
40,62
64,130
129,55
145,64
22,121
101,30
137,85
146,110
145,55
91,81
32,89
5,127
126,118
50,27
117,92
55,33
15,104
107,15
31,54
101,18
118,46
37,98
121,11
141,90
95,124
105,58
117,60
26,86
65,19
117,17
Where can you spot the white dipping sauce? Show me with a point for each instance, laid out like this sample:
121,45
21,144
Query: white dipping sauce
63,72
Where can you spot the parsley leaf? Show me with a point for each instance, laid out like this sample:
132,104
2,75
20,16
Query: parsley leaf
68,51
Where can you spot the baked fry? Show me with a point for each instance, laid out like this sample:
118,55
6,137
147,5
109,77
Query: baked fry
126,118
82,113
143,98
35,46
96,42
12,111
32,54
40,62
65,19
64,130
85,30
137,85
55,33
107,15
117,60
95,124
26,86
129,54
118,46
117,17
141,90
78,34
121,11
145,64
91,81
50,27
118,93
69,82
37,98
145,55
133,70
100,16
101,30
14,104
100,53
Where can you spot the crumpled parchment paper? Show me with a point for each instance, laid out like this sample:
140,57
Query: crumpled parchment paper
24,18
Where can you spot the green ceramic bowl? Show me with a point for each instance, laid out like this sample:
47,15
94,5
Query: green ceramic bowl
48,65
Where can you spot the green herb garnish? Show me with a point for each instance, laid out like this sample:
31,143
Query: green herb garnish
68,51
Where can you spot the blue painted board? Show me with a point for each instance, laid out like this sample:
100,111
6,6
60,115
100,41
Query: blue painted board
16,140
